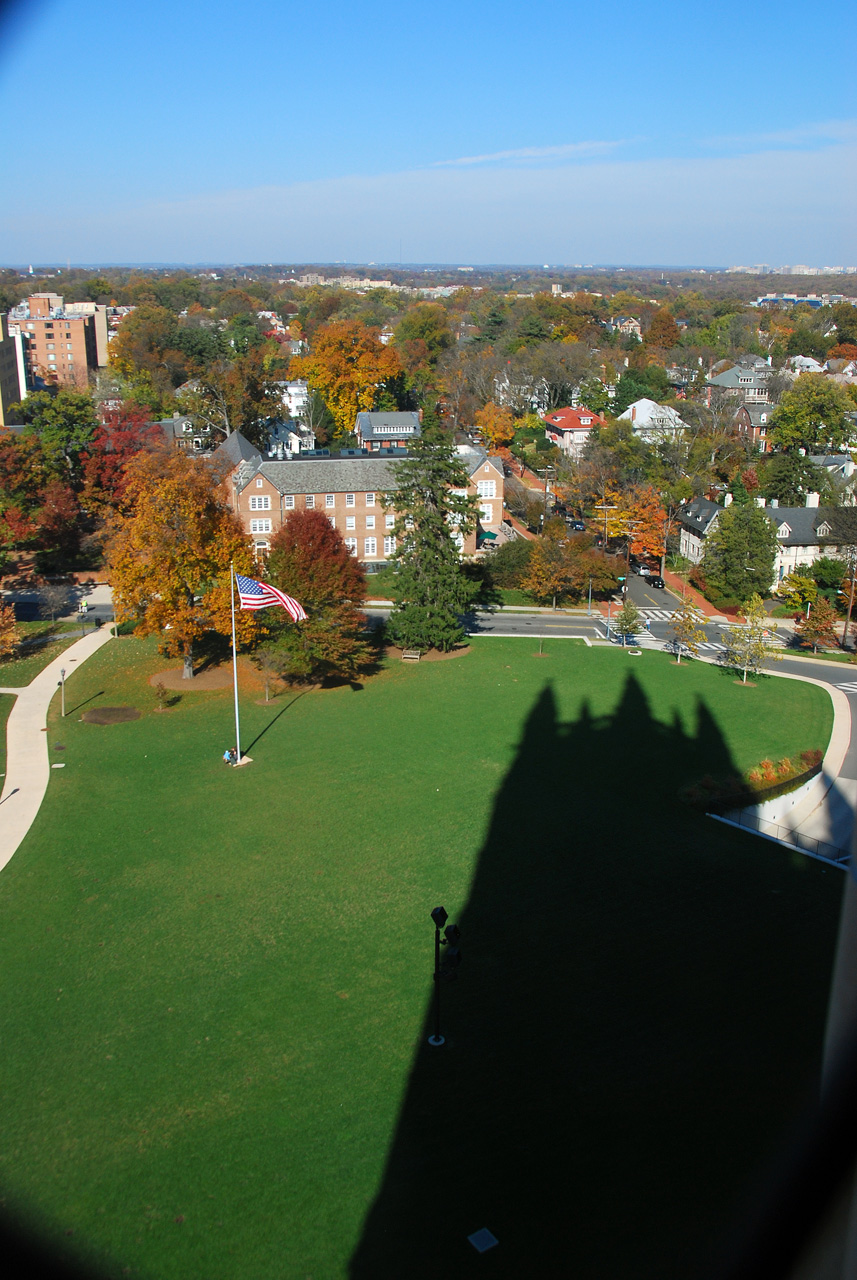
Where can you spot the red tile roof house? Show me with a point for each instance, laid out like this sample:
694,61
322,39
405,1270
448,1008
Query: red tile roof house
569,429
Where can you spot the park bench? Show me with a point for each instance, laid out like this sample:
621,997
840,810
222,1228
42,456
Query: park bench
411,655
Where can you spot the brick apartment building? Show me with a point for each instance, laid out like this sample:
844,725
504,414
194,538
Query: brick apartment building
62,344
349,490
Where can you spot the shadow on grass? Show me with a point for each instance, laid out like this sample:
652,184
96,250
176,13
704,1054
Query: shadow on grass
91,698
637,1020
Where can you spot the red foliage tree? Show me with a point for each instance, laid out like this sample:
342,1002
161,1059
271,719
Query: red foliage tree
309,561
123,433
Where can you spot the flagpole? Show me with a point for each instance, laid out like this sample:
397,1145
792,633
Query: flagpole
235,667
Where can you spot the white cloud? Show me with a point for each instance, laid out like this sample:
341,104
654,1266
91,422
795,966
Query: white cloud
774,206
566,151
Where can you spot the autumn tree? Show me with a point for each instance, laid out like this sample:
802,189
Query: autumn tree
816,416
122,434
686,626
627,620
169,555
547,576
496,424
310,562
820,626
798,590
9,636
64,424
663,331
435,514
560,566
349,366
233,395
747,645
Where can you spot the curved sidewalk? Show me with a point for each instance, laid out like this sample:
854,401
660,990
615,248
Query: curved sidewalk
28,765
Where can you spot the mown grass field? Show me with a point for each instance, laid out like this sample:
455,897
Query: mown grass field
216,982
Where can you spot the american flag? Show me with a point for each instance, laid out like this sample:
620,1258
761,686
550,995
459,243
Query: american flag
259,595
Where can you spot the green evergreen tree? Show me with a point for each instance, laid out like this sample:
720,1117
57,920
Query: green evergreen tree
434,514
740,552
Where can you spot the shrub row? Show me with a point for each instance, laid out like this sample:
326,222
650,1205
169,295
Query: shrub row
765,781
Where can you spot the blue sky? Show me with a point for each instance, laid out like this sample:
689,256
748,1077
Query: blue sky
445,132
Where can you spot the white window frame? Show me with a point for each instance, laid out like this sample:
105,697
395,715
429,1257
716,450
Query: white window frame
289,501
310,501
370,499
370,546
260,502
370,522
351,546
350,522
330,499
260,526
486,488
349,500
389,546
389,522
259,482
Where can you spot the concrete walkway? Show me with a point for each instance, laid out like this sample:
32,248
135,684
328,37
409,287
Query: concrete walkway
28,766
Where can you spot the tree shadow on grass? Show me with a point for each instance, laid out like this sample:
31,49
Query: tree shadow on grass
637,1020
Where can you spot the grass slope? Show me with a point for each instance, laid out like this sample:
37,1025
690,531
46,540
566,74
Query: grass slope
215,981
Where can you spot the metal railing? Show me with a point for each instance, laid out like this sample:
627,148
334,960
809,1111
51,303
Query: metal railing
787,836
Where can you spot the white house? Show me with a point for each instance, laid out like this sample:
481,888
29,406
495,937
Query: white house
651,421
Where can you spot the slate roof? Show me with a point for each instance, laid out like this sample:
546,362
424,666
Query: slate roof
699,514
328,475
803,523
234,449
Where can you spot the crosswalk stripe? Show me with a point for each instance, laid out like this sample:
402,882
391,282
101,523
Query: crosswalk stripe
662,615
850,686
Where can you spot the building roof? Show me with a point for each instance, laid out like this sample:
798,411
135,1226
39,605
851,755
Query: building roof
645,413
803,524
699,515
742,375
573,419
234,449
327,475
387,426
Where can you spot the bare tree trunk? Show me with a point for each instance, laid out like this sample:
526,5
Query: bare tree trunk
187,670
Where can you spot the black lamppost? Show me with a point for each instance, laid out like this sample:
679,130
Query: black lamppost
451,935
440,917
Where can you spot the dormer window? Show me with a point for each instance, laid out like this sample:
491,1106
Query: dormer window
784,531
823,530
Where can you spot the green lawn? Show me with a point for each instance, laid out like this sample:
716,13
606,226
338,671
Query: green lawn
43,641
216,982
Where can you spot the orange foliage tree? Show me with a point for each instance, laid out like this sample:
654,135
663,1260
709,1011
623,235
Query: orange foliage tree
349,367
641,513
169,553
496,424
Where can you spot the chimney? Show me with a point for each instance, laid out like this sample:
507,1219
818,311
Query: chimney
774,502
727,501
812,499
760,502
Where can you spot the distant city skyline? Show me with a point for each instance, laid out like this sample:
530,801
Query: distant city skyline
456,134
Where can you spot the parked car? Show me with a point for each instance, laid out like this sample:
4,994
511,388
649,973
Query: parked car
576,526
642,569
656,581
